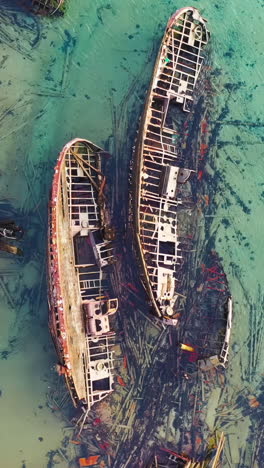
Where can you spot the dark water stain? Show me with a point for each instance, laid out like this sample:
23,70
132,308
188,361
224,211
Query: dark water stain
226,223
232,87
69,42
229,53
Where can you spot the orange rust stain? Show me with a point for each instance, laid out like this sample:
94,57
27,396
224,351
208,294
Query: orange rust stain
90,461
125,362
203,148
200,175
204,126
253,402
121,381
206,199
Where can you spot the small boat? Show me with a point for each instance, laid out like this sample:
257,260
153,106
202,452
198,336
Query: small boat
221,359
80,255
158,166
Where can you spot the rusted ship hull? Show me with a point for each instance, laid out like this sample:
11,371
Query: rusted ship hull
79,253
158,165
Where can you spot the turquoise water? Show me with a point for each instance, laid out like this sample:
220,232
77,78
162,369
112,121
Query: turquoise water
86,75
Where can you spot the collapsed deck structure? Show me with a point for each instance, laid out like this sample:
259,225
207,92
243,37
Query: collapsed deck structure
80,254
159,168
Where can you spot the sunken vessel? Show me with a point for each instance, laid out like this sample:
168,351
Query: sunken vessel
159,168
80,255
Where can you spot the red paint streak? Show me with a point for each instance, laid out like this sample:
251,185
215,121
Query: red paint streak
200,175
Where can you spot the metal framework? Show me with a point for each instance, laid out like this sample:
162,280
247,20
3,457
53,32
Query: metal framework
77,290
175,75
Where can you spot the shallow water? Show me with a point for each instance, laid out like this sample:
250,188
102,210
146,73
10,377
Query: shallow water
86,75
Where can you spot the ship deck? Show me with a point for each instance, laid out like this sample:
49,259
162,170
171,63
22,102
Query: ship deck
72,302
79,287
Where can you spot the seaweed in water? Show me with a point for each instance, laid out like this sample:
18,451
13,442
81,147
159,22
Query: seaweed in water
18,31
50,455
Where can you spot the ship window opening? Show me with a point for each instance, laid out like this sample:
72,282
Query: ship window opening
101,385
83,209
167,248
98,325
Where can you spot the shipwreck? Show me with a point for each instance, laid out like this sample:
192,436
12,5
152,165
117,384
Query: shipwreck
80,255
158,164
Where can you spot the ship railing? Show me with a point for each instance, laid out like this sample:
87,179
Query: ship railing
166,148
147,195
147,175
76,209
147,227
159,162
223,357
154,213
85,284
175,59
161,151
179,67
159,155
104,345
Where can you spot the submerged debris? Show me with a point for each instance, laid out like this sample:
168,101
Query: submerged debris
10,231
